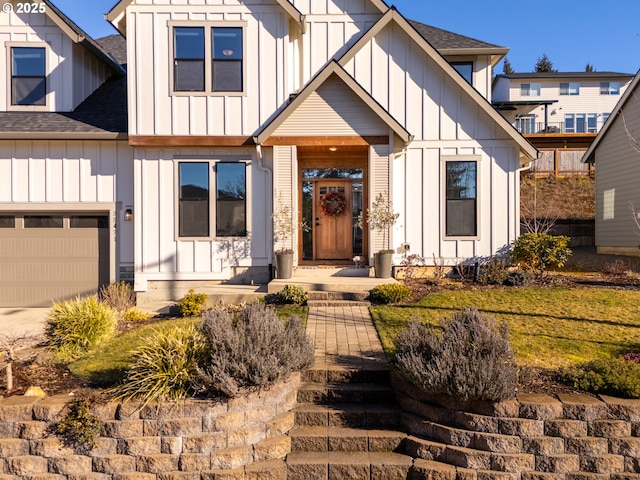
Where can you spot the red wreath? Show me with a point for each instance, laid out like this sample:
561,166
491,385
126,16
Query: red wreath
333,204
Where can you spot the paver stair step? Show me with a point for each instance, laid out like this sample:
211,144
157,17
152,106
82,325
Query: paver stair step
330,393
373,373
323,439
337,303
432,470
365,415
348,466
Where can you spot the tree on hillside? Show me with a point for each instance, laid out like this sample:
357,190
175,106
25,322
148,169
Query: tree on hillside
507,69
544,65
589,68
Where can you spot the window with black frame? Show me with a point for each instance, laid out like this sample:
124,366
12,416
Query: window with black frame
193,215
28,76
461,199
189,59
231,199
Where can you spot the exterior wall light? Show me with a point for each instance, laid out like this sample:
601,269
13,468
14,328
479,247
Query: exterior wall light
128,214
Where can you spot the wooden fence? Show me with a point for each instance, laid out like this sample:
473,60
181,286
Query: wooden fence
561,162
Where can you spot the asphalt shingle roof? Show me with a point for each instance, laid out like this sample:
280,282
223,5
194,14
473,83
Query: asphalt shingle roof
116,45
566,75
104,111
441,39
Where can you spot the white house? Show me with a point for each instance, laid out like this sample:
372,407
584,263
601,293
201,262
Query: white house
560,113
228,106
616,154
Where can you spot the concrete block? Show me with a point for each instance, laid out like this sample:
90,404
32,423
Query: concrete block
73,465
205,443
180,427
32,430
114,464
27,465
157,463
588,446
122,428
13,447
566,428
231,458
139,446
609,428
195,462
539,407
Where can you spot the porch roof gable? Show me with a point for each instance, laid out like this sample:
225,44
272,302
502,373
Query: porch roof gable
332,68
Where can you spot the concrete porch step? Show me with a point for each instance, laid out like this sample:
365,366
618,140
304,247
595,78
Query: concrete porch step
338,303
320,283
365,415
324,439
375,372
348,465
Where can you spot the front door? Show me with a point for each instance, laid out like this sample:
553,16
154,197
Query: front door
333,220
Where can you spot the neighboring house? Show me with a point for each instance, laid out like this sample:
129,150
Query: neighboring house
560,113
229,107
616,154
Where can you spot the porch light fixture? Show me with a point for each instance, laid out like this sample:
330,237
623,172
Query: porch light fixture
333,149
128,214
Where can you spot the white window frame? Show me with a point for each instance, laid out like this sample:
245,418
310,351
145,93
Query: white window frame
530,89
208,57
211,161
606,88
28,108
460,158
594,117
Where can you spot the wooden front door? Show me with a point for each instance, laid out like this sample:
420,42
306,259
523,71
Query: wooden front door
333,220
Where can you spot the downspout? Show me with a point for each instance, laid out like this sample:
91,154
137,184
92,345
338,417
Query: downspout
264,169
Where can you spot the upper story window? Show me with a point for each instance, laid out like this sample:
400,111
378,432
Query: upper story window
28,76
571,88
609,88
465,69
530,89
208,59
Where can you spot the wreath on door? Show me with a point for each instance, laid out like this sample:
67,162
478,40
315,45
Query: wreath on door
333,204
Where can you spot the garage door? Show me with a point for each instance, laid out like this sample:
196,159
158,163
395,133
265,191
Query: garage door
45,257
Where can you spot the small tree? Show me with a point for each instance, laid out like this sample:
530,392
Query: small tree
589,68
284,225
544,65
507,69
380,217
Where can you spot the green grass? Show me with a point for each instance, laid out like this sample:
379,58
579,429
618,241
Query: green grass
106,365
549,327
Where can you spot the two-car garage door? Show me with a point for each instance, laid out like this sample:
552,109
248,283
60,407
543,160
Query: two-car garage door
45,257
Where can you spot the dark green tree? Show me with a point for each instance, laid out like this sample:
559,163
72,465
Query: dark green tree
506,67
589,68
544,65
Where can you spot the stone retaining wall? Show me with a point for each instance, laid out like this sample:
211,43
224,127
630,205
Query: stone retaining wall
534,436
188,440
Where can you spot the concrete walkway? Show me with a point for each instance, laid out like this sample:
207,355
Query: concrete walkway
344,335
22,321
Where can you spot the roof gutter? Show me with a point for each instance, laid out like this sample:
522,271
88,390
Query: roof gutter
63,136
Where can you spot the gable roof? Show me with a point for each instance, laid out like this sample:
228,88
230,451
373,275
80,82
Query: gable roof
118,19
527,151
561,75
102,115
589,156
447,42
332,68
78,35
116,46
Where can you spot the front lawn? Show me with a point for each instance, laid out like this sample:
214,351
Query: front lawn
549,327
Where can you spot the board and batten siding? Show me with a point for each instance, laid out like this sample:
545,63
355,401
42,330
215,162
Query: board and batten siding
152,108
617,173
445,121
160,254
73,72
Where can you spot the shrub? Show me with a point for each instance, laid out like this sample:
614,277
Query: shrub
470,359
119,296
389,293
250,349
165,367
192,303
617,377
540,251
79,428
494,272
75,327
292,294
519,278
136,315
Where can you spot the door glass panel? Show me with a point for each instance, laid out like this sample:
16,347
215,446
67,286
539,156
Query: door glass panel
356,210
307,218
7,221
89,221
320,173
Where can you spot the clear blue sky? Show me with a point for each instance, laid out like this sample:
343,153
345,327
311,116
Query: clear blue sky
572,33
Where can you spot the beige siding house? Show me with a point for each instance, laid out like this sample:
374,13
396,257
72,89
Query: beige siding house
616,154
230,106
